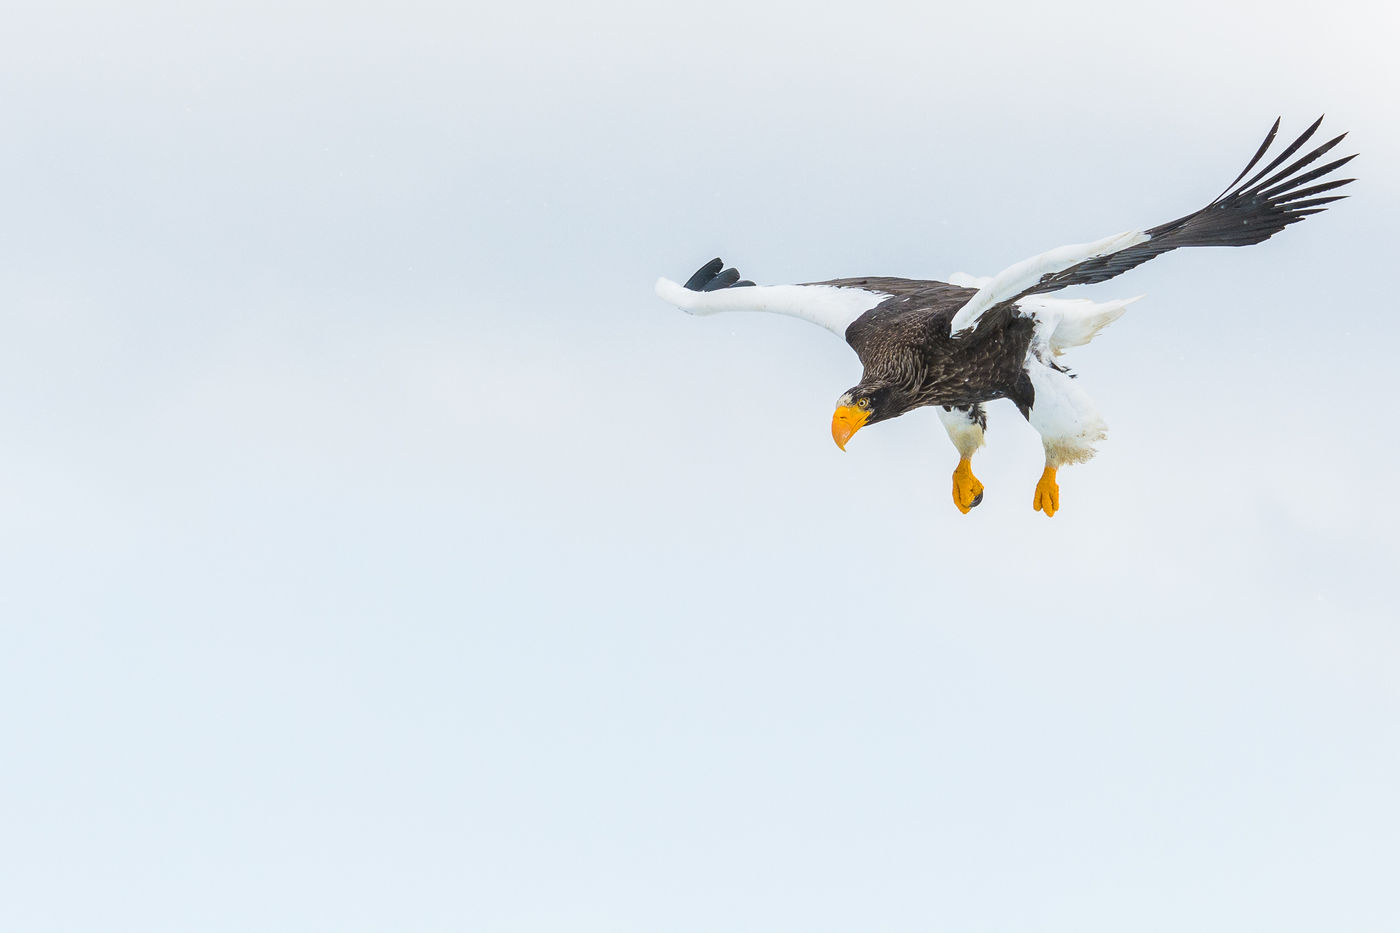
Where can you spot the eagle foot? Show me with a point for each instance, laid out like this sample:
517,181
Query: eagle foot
967,489
1047,493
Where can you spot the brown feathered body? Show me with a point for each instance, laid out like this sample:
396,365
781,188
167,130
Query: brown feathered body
906,342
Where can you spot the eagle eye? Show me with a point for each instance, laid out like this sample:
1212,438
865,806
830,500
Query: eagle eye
863,402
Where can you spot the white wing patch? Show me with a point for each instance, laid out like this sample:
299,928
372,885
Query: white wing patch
1015,279
829,306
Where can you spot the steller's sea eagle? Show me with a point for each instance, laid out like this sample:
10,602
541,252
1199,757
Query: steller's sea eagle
956,345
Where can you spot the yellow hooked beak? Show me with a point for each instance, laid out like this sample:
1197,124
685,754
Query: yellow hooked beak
846,422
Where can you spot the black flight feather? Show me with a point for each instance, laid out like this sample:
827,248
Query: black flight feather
1292,148
1243,215
1263,148
712,276
702,275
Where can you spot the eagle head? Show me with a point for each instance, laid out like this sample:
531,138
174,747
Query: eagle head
861,405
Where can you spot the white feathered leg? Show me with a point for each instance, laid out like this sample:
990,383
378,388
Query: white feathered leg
1069,426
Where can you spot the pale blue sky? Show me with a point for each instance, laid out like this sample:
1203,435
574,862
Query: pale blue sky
378,553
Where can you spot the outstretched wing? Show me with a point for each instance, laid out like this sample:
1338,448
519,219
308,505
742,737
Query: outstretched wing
713,289
1246,212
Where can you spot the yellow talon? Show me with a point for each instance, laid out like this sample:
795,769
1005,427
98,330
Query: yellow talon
1047,493
967,489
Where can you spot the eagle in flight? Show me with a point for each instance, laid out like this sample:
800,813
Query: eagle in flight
956,345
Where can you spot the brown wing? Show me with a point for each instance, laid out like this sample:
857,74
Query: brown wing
1245,213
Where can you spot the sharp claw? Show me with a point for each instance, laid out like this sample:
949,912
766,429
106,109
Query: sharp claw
976,502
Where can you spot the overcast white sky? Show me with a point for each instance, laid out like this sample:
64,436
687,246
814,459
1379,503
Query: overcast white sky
378,553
